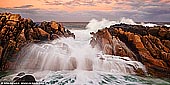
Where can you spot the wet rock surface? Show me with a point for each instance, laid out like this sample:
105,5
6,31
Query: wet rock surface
149,45
23,78
15,32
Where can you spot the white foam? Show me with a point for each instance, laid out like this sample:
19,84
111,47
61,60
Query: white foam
66,60
70,54
94,24
167,25
127,21
149,25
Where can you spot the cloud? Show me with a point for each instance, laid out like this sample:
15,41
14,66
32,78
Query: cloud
139,10
144,10
25,6
64,16
156,13
78,2
26,13
156,10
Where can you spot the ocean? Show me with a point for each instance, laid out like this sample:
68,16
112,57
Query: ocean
75,25
82,25
68,61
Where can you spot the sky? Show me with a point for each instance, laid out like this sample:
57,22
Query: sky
85,10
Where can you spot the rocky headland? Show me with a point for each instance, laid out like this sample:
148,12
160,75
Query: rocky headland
16,32
148,45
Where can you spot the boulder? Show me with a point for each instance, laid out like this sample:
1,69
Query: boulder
3,18
11,23
25,79
44,35
131,37
54,25
136,39
15,17
3,31
7,15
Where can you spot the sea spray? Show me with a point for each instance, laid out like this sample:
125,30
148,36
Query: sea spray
74,61
127,21
95,25
149,25
70,54
56,55
167,25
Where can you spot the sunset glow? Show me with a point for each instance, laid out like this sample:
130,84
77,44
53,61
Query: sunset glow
84,10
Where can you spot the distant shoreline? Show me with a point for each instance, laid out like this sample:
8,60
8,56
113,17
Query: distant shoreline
158,23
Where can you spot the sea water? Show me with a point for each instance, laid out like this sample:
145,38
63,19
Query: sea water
68,61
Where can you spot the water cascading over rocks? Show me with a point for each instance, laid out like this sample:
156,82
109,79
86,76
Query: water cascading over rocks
68,60
108,60
74,54
68,54
16,32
